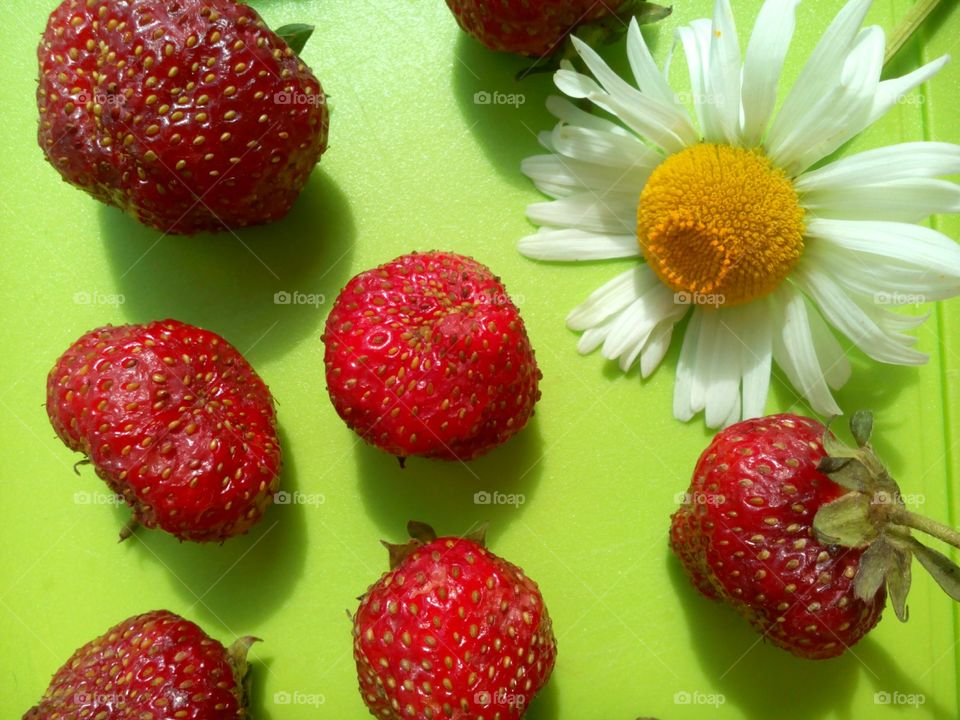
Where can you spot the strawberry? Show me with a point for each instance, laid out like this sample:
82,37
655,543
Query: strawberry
174,419
744,534
451,631
427,355
538,28
803,535
155,665
190,115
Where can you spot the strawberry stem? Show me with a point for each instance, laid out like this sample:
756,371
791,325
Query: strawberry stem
129,528
907,27
947,534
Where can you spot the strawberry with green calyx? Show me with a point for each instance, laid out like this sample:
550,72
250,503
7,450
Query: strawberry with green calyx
541,28
190,115
155,665
873,517
451,630
744,535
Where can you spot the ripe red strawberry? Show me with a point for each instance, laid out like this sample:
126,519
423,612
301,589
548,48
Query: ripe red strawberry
451,631
174,419
155,665
427,355
190,115
745,535
538,28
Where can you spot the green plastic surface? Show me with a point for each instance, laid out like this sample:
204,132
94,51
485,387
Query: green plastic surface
415,163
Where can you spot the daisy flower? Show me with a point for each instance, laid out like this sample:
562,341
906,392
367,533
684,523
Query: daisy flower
729,220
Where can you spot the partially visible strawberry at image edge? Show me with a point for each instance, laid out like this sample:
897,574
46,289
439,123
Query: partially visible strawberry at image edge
540,28
191,116
452,630
155,665
804,536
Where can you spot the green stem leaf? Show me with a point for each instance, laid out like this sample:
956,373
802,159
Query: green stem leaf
861,425
943,570
645,12
296,35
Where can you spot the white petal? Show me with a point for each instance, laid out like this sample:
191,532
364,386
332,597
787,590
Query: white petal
664,124
641,116
577,85
633,326
878,278
762,66
723,82
822,71
559,176
603,148
644,68
836,366
566,111
756,355
624,331
706,353
585,211
901,200
885,96
611,297
569,244
795,352
545,138
894,162
795,143
895,322
593,338
723,389
736,413
890,91
847,317
695,39
929,262
656,348
686,366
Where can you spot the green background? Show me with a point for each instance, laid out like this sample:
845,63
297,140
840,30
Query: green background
414,163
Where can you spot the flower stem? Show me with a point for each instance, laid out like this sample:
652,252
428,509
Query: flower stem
926,525
905,29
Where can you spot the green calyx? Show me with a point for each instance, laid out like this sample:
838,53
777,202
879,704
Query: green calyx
607,29
873,515
612,27
237,659
295,35
422,534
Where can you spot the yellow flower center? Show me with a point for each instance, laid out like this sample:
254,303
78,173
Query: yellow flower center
721,221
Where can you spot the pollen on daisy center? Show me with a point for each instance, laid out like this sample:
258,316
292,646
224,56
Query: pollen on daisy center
720,220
